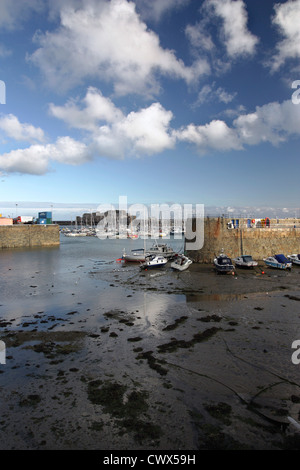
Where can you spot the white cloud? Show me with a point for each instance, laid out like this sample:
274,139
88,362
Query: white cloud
210,93
213,136
287,20
148,129
13,128
112,133
238,39
273,123
199,37
36,158
224,96
95,108
113,43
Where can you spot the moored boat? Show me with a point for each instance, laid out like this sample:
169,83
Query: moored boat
161,249
75,233
134,256
295,259
153,261
181,263
223,264
245,261
278,261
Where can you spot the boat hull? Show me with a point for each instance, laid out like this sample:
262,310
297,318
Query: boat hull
294,259
271,264
178,266
154,262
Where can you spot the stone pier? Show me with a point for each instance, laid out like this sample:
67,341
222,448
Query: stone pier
15,236
258,242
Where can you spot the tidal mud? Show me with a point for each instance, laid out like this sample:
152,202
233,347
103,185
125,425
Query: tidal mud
187,361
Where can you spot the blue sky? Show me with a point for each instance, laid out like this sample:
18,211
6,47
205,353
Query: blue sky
163,101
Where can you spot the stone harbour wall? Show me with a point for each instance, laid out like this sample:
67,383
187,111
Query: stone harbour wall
258,242
15,236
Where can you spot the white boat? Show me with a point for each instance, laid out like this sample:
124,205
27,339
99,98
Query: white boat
153,261
181,263
295,259
161,249
245,261
223,264
278,261
76,234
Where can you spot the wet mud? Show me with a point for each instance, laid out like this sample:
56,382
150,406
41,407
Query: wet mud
186,361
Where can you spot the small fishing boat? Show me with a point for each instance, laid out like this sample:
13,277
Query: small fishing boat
278,261
153,261
162,249
223,264
245,261
295,259
181,263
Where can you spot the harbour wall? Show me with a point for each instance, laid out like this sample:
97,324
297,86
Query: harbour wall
258,242
15,236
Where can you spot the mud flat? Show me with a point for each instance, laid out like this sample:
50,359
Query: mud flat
187,361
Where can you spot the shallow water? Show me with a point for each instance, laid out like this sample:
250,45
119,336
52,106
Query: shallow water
73,275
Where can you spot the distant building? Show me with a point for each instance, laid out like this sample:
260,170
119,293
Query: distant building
93,218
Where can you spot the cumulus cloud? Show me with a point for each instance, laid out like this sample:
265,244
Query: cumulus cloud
273,123
215,135
36,158
113,133
13,128
87,114
287,20
108,132
114,44
239,41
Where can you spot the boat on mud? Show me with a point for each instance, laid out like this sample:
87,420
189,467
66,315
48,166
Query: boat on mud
162,249
153,261
245,261
223,264
278,261
181,263
295,259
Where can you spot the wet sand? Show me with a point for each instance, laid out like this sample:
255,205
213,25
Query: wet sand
184,361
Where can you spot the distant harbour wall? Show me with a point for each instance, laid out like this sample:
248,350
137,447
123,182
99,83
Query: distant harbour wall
17,236
258,242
